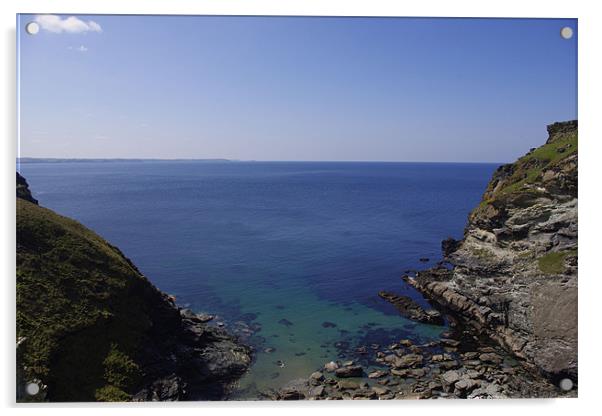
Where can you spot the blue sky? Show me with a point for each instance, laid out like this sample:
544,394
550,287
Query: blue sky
293,88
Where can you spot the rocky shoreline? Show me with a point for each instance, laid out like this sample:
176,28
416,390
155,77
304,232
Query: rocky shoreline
459,365
509,294
197,362
514,275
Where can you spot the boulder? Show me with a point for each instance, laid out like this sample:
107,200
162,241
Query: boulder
407,361
349,371
377,374
348,385
449,378
331,366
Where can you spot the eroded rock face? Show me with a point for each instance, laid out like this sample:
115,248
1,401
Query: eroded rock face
194,361
23,191
515,270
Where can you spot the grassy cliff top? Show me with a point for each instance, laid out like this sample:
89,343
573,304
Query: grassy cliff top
546,171
83,309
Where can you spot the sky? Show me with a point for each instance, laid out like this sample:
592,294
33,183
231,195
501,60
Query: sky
292,88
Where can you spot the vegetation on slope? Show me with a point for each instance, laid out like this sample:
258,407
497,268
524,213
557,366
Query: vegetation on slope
83,309
554,262
544,170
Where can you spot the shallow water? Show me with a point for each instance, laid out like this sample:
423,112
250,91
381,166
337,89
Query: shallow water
293,254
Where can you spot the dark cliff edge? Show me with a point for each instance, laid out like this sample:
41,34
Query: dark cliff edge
90,326
514,274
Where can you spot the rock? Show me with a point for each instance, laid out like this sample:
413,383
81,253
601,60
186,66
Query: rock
380,390
205,317
23,191
408,308
424,259
466,385
471,355
449,378
406,342
291,394
488,391
348,385
171,388
285,322
450,342
409,360
514,274
377,374
350,371
415,349
331,366
449,364
317,375
327,324
317,391
417,372
390,358
448,246
490,358
269,350
201,317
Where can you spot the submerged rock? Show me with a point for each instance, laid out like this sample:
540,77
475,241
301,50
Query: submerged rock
408,308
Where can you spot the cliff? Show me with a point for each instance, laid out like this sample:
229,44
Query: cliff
90,326
514,274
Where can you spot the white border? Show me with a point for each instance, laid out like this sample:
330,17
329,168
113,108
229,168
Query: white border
590,154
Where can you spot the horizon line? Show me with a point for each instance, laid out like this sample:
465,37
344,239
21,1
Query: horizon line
24,159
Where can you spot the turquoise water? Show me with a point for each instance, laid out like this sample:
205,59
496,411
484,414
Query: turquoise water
290,256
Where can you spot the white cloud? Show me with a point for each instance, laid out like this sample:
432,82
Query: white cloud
57,24
80,48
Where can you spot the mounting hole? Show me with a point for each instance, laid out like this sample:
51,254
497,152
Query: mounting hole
566,384
32,28
32,389
566,32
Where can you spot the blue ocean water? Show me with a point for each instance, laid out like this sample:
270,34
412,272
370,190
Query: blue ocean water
277,247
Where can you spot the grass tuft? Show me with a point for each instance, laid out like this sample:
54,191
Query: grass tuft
554,263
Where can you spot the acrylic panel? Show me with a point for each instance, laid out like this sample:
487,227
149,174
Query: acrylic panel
295,208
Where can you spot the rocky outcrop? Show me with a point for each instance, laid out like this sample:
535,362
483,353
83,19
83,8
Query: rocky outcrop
90,326
198,362
23,191
408,308
514,274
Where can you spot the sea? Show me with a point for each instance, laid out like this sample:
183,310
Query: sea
290,256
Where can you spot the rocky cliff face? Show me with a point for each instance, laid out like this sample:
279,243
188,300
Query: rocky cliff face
90,326
514,274
23,191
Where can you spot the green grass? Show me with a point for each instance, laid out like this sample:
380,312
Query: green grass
483,253
554,263
529,168
83,308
